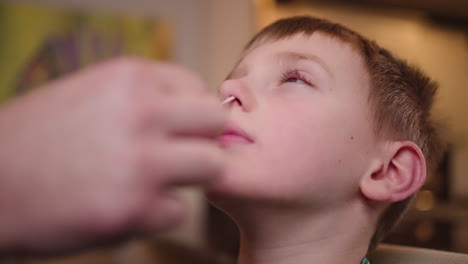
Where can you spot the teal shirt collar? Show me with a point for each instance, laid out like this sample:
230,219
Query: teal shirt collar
365,261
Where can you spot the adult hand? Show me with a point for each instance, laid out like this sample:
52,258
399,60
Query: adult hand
96,156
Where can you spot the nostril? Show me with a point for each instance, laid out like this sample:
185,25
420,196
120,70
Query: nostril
238,101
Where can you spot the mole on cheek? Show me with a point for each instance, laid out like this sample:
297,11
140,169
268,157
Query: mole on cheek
352,138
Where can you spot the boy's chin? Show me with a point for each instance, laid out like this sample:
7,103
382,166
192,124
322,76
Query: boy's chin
228,190
223,197
224,188
219,193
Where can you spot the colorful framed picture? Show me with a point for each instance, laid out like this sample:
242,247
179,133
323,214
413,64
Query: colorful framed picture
40,43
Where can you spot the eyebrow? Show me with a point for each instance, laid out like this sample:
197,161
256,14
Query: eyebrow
297,56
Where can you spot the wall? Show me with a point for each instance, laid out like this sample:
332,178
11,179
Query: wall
208,33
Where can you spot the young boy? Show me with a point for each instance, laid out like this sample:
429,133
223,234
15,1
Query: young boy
327,142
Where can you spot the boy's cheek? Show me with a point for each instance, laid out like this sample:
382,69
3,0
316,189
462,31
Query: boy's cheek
307,141
297,155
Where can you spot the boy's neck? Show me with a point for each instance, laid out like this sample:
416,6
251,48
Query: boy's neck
269,236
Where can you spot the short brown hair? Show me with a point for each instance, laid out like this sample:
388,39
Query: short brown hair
401,96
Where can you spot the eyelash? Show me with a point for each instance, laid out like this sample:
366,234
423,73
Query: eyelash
294,74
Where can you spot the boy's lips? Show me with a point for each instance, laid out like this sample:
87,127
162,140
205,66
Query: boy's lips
234,135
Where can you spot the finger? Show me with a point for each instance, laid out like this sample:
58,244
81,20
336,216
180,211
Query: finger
161,77
194,117
184,162
174,79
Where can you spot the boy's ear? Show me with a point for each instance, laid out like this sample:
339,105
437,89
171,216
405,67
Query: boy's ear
397,175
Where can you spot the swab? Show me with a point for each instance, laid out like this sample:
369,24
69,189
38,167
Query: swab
229,99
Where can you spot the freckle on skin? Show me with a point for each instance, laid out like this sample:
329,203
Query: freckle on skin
352,138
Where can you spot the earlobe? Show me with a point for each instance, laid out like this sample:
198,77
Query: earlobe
398,177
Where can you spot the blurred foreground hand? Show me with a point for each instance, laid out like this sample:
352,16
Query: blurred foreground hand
95,157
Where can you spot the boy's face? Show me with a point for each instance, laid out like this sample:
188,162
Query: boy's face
301,131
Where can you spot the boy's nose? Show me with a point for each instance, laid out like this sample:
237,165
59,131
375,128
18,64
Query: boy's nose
245,99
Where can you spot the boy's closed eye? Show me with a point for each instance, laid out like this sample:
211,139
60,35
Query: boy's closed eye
295,76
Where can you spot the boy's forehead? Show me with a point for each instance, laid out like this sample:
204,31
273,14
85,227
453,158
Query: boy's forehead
319,44
330,52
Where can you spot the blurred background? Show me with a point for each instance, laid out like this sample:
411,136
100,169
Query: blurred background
41,40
